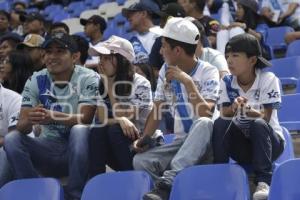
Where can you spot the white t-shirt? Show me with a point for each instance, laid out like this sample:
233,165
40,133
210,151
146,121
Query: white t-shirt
10,105
140,97
264,91
215,58
205,77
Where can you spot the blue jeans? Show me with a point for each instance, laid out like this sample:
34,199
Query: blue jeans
109,146
30,157
261,148
6,174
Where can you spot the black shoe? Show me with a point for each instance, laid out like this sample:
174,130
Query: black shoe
160,192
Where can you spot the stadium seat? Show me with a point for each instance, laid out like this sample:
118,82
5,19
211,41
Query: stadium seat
293,49
60,16
74,25
120,2
4,5
129,185
110,9
275,38
211,182
94,3
33,189
288,152
285,181
88,13
52,8
289,115
287,69
169,138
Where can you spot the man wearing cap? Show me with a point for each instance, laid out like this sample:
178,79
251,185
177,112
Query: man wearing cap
33,23
190,86
59,98
94,28
195,8
140,16
32,44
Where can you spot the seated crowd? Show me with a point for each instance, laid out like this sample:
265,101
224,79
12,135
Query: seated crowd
71,106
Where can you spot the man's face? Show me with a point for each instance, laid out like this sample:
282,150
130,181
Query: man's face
168,53
134,18
36,55
58,60
3,23
5,48
90,28
58,30
33,26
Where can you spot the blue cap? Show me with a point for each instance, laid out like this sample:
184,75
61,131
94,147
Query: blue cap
147,5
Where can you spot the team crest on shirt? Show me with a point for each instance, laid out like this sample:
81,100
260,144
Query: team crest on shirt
273,94
257,94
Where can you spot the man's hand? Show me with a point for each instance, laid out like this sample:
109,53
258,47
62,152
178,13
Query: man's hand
239,103
137,147
174,73
128,128
39,115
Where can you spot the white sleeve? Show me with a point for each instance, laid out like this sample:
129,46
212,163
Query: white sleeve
210,83
270,91
13,110
223,97
265,3
142,95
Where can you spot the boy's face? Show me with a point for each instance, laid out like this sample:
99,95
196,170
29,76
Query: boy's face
168,53
239,63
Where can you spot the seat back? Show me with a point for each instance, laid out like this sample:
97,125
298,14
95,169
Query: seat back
211,182
33,189
289,115
293,49
285,181
129,185
286,67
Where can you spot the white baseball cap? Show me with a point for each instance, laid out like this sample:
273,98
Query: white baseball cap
113,45
180,29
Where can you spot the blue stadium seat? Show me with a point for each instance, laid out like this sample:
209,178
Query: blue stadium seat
289,115
211,182
129,185
52,8
285,181
33,189
61,16
169,138
121,2
293,49
288,152
275,38
287,69
298,87
96,3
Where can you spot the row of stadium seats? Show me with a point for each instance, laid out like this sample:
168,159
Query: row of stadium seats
209,182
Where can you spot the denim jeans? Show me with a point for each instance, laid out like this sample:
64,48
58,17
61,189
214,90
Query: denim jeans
261,148
109,146
6,173
30,157
164,162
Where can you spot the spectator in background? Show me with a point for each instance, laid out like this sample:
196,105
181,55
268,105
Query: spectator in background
195,8
15,23
155,58
292,36
32,44
4,22
59,27
15,70
248,130
146,71
8,43
207,54
83,50
247,20
94,28
123,108
282,12
140,16
62,148
10,104
19,6
33,23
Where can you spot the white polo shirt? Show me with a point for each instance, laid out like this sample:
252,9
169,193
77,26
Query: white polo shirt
10,105
215,58
264,91
205,77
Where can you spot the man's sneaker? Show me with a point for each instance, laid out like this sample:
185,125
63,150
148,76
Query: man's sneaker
161,191
261,192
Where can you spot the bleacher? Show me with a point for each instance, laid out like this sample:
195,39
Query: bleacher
205,182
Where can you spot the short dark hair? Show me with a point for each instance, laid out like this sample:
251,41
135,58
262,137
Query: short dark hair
83,45
4,13
58,25
200,4
189,49
201,30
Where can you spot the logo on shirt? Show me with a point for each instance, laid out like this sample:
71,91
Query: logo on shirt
273,94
